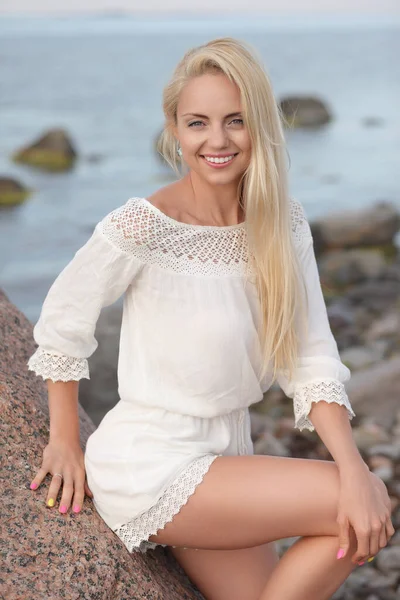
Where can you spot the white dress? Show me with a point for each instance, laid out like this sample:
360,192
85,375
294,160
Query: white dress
189,356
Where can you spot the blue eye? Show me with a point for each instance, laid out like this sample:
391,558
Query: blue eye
200,122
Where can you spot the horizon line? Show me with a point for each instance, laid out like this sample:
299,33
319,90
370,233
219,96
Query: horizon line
124,12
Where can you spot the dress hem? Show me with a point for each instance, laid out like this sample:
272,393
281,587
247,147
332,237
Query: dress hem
135,533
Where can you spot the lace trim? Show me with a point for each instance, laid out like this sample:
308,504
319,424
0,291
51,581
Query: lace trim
315,391
141,229
135,533
58,367
300,226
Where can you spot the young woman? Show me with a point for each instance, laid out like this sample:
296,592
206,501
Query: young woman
221,298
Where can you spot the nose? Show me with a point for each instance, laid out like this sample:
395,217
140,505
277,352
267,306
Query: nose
218,137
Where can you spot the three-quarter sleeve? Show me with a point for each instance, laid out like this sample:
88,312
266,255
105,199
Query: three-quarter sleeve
98,274
320,374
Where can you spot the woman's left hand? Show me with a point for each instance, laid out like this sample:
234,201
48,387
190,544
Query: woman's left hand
364,504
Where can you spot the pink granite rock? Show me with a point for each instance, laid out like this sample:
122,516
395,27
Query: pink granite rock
47,555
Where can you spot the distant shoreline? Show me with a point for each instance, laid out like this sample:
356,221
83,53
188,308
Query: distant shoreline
142,21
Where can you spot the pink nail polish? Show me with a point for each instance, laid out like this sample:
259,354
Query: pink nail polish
361,563
77,508
340,553
63,509
33,486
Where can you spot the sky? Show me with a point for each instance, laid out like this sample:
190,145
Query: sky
270,6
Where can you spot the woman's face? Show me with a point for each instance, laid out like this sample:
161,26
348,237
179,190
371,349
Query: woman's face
210,124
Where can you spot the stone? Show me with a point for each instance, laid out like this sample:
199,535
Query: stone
12,192
284,426
47,554
361,577
375,391
369,434
340,313
360,357
376,225
305,111
378,296
53,151
267,443
384,472
373,121
388,559
339,268
383,582
391,451
283,545
260,423
395,541
387,326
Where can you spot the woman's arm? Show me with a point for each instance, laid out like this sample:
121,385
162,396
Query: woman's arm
319,373
331,421
321,403
364,503
63,453
99,273
63,407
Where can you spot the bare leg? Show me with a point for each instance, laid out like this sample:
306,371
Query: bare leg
248,501
258,574
229,574
318,574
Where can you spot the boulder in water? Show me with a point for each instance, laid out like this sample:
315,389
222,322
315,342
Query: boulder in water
305,111
53,151
12,192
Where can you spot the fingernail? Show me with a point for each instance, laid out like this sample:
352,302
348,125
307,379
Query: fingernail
33,486
371,559
63,508
340,553
77,508
361,563
50,502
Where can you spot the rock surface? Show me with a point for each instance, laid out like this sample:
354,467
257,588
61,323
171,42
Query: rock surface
47,555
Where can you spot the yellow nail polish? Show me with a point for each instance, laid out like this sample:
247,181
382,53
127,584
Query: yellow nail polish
50,502
371,559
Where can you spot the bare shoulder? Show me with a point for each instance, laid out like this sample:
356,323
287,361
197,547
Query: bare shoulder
166,199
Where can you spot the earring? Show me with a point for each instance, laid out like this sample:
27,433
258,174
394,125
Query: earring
179,150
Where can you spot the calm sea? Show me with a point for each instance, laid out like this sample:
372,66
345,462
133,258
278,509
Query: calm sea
101,77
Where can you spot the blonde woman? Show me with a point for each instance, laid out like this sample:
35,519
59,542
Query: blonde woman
221,298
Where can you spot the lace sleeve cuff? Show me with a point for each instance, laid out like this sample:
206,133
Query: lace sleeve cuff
314,391
58,367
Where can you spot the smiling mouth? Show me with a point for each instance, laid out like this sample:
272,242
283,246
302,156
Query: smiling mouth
220,163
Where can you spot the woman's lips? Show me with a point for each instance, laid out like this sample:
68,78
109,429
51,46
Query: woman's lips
219,165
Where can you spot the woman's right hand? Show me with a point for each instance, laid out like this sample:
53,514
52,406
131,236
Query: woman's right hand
67,458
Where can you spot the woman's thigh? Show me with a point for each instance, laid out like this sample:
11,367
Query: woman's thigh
234,574
247,501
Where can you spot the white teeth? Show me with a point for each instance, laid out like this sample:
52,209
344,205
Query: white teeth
219,160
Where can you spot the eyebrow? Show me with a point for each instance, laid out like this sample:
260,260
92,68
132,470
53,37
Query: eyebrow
205,116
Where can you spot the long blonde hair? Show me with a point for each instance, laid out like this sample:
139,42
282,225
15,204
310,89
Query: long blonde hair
262,191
